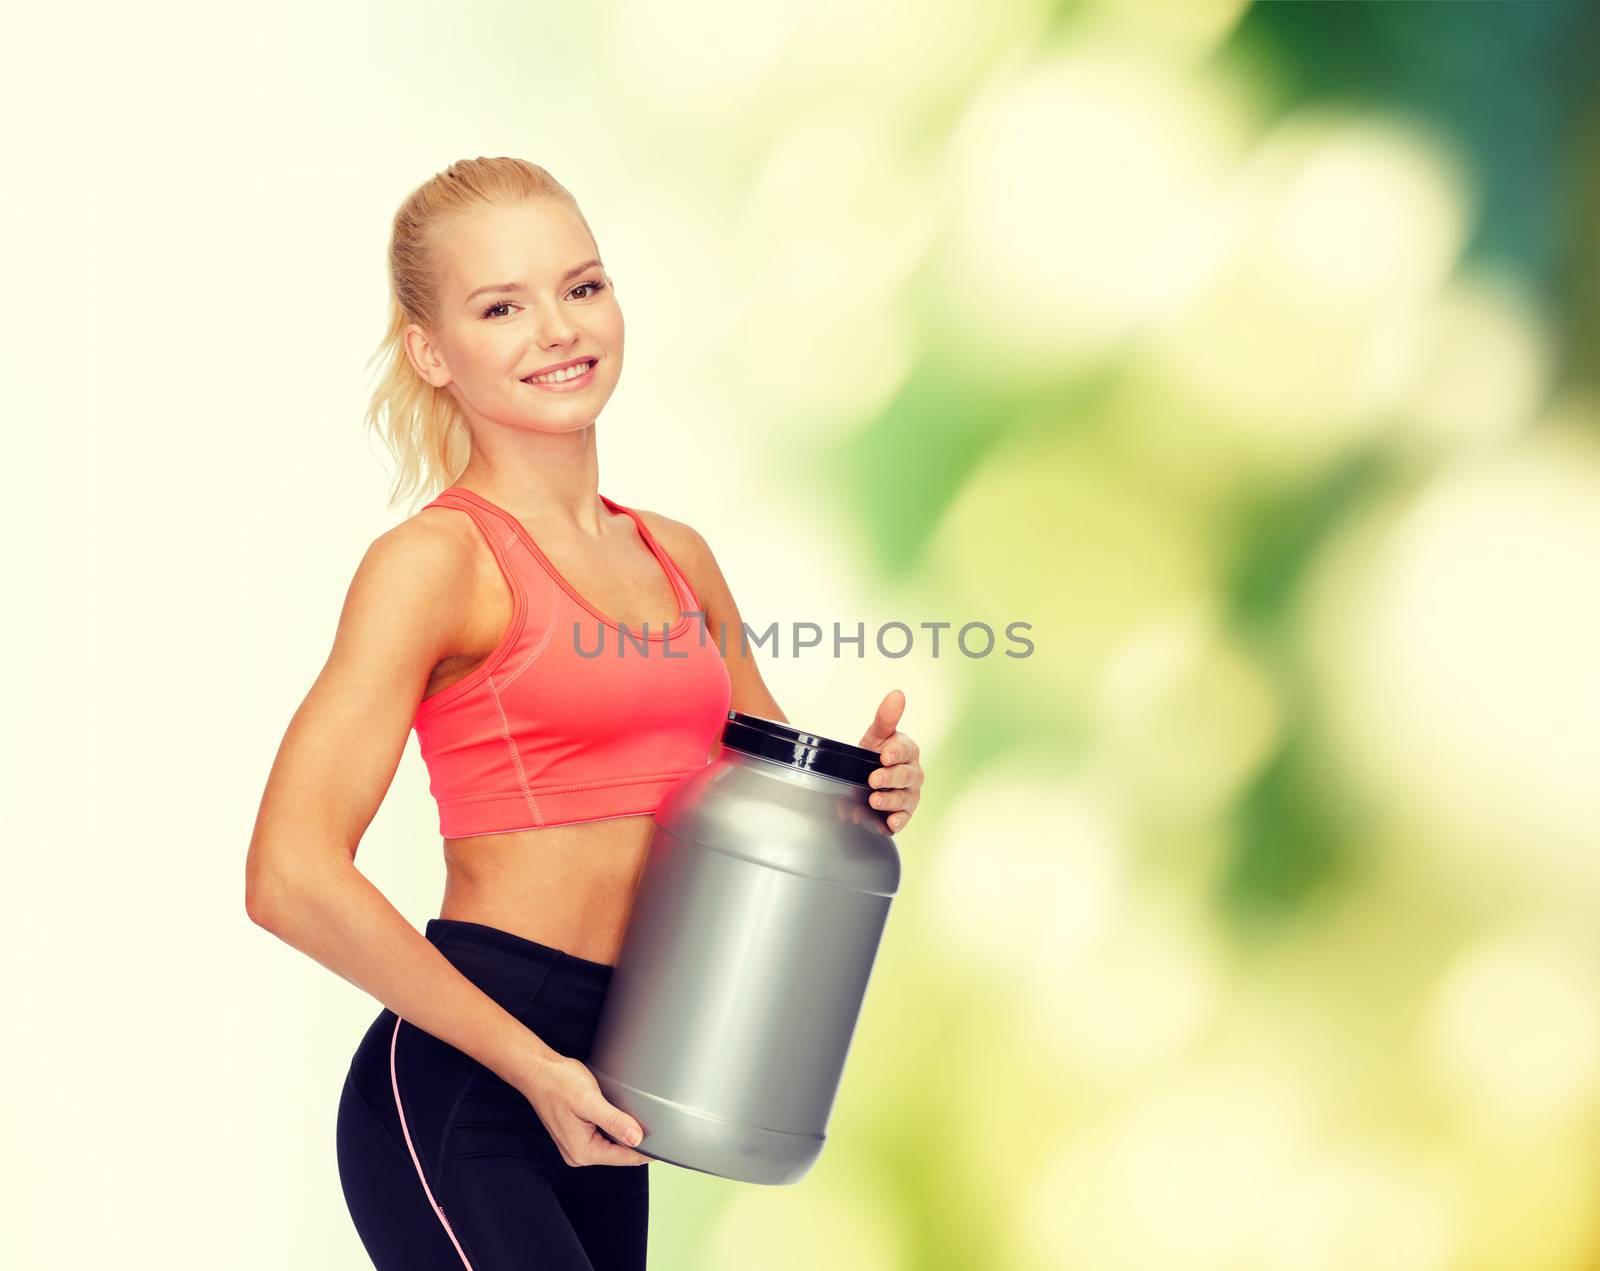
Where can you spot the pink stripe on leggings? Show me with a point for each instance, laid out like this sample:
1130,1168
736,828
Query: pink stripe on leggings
394,1081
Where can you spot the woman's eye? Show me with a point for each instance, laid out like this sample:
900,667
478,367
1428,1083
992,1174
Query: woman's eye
596,286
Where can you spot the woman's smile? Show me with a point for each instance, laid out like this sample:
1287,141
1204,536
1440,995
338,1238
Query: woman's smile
565,381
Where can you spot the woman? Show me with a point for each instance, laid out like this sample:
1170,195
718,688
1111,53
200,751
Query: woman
468,1113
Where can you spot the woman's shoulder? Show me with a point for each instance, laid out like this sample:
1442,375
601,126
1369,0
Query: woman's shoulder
411,578
433,531
435,544
683,542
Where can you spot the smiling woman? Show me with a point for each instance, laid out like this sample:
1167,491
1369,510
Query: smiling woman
467,1109
482,264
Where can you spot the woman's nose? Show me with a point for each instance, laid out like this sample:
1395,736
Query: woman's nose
553,328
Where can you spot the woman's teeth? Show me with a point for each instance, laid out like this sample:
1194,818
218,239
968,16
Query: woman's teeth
556,377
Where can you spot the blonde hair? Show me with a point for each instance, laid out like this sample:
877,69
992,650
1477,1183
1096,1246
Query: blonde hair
421,425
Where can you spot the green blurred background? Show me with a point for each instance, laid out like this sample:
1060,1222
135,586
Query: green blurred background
1248,352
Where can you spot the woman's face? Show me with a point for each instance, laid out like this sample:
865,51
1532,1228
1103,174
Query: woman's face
522,290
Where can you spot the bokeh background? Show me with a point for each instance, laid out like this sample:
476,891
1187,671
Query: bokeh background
1247,352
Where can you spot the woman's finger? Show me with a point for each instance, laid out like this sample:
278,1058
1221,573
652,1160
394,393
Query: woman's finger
901,775
883,720
604,1151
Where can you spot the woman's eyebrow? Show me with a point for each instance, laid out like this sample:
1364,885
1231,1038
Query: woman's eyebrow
518,286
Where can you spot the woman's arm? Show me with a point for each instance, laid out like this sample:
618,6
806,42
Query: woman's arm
332,770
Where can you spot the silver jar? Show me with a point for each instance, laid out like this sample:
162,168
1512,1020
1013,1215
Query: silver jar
754,927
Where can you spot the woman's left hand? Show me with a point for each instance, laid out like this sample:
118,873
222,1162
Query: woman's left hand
897,784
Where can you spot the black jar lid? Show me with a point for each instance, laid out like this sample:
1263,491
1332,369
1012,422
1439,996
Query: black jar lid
769,739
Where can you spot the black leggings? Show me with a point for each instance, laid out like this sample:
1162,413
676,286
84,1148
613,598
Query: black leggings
444,1165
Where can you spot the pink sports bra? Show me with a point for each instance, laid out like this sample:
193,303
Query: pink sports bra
571,717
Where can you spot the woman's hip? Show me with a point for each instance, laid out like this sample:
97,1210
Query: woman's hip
415,1081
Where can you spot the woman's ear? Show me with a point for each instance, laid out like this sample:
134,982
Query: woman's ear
424,357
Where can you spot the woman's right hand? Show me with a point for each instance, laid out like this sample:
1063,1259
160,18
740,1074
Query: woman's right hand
578,1116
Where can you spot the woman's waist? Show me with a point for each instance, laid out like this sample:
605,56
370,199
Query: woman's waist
568,887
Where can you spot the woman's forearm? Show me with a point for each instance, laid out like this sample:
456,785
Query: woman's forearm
348,925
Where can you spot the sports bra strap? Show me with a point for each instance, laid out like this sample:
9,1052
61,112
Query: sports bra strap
487,519
687,600
686,597
495,531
